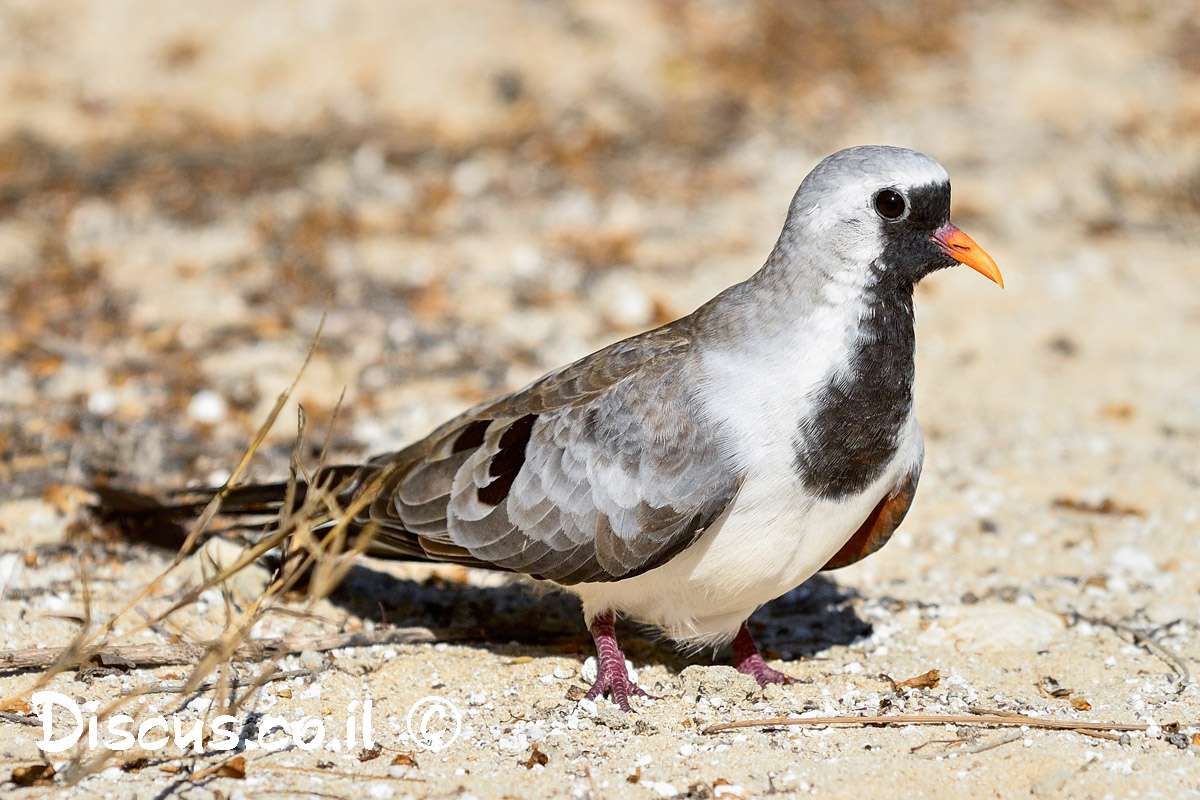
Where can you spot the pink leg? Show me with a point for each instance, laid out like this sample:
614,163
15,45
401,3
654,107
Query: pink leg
750,661
611,676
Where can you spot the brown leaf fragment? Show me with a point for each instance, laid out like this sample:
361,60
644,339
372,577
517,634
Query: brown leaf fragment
536,757
16,706
67,499
404,760
1120,411
371,754
1050,687
34,775
233,768
1105,506
1080,703
926,680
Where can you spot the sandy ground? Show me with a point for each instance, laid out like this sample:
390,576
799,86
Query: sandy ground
482,191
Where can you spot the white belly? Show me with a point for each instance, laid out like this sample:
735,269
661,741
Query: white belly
773,538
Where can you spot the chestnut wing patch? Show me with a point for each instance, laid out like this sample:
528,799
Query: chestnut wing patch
879,525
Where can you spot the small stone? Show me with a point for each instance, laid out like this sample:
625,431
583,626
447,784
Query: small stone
102,402
380,791
311,659
471,178
1180,740
610,716
720,685
207,407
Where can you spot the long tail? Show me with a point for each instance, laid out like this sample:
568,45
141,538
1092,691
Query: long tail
251,509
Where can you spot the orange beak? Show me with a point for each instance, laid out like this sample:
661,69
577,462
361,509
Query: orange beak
962,248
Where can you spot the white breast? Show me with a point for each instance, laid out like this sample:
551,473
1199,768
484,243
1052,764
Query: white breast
773,538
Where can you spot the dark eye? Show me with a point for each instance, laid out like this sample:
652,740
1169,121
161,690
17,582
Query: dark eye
889,204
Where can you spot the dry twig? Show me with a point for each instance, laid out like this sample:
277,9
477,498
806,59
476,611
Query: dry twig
931,719
978,747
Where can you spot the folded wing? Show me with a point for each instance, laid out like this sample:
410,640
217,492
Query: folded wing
600,471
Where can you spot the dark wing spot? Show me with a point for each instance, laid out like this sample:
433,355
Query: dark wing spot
471,436
508,461
517,434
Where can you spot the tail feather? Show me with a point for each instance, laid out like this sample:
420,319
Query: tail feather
250,509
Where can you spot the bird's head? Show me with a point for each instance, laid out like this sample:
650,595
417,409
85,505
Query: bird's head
886,209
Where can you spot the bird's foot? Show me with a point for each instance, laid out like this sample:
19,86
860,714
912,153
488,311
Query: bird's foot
750,661
611,676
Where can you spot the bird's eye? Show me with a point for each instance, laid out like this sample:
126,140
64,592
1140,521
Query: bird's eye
889,204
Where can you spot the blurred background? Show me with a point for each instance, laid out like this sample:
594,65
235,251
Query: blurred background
481,191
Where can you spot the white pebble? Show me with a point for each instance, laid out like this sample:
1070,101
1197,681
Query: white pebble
8,569
471,178
527,261
102,402
200,704
207,407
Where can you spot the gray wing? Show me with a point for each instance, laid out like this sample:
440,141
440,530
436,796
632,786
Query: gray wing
600,471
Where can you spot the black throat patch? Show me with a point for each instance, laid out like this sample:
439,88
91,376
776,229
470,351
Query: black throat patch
853,432
845,444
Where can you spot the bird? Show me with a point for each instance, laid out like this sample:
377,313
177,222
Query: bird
690,474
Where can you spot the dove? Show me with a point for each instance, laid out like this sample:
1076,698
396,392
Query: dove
688,475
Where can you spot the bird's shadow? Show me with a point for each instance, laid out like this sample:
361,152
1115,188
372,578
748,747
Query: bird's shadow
520,618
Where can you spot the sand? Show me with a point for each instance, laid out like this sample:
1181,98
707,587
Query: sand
480,192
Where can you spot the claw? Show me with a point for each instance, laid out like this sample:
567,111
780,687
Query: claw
611,677
750,661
